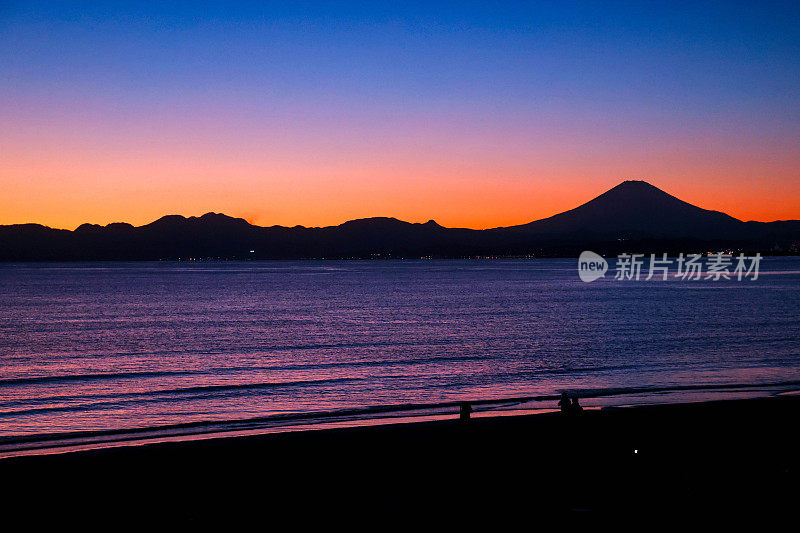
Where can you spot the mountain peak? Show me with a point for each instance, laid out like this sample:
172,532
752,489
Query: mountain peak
168,219
636,207
209,219
374,222
635,187
86,226
211,215
635,194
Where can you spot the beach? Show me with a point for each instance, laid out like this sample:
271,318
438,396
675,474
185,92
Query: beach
734,458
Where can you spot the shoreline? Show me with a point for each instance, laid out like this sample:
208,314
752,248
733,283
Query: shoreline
686,459
85,440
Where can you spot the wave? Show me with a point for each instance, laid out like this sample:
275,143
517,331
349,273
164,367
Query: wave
156,396
87,400
251,350
40,380
16,443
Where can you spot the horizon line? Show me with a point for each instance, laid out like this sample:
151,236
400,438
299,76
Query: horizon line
377,217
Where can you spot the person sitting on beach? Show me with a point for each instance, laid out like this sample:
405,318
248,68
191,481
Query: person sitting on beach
564,403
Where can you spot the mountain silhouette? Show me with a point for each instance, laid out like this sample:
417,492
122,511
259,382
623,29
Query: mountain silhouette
638,209
633,216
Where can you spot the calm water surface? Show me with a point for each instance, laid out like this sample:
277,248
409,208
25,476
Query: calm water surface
121,345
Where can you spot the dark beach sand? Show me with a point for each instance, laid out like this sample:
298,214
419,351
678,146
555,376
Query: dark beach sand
717,461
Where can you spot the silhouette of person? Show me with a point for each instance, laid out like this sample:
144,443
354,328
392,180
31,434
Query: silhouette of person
564,403
465,411
576,407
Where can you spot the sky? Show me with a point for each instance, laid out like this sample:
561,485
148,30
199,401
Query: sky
475,114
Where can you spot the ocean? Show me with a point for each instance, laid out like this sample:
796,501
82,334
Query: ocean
98,349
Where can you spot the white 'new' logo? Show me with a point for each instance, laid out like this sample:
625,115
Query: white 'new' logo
591,266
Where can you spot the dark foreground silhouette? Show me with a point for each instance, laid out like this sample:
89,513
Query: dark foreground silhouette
718,462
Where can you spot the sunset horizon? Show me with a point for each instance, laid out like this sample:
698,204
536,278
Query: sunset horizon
257,219
476,117
413,265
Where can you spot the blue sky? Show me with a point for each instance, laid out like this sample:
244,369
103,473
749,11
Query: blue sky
651,78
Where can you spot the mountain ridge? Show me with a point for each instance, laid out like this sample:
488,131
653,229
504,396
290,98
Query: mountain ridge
634,211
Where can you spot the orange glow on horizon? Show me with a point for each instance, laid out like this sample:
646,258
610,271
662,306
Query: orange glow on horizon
461,202
461,172
452,197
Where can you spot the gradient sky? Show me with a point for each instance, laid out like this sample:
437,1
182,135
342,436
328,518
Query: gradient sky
472,114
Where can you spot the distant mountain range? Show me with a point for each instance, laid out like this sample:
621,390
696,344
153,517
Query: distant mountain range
634,216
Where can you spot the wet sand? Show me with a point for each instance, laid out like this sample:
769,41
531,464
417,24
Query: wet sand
714,461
